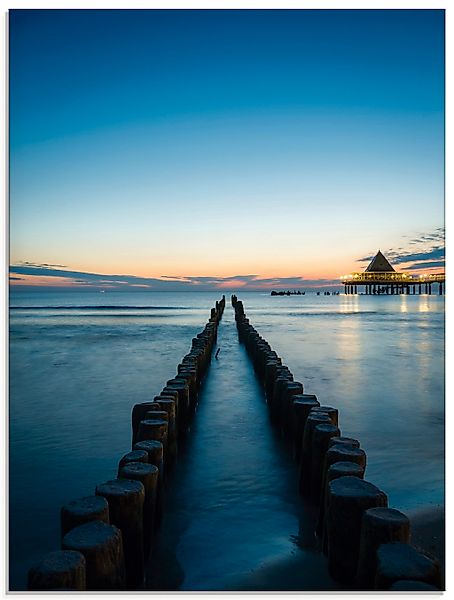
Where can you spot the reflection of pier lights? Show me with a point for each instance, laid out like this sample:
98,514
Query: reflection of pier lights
381,278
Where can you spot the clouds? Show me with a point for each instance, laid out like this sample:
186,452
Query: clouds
425,251
44,274
425,266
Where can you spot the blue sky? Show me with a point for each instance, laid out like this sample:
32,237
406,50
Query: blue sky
223,143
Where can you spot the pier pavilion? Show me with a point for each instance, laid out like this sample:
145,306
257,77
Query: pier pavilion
381,278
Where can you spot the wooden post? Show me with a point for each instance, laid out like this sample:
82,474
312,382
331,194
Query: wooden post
138,413
306,455
64,569
126,498
148,475
153,429
102,547
320,441
83,510
302,406
397,561
337,470
348,499
133,456
332,413
379,526
155,452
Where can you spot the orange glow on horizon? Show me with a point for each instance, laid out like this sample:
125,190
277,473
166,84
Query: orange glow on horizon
41,280
311,276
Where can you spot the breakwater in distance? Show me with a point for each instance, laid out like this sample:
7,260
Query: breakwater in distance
366,542
106,538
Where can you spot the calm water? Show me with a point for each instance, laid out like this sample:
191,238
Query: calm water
79,361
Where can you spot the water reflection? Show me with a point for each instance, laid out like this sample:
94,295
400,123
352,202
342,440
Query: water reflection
349,303
378,359
403,303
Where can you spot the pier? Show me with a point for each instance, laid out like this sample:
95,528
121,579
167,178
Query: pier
381,278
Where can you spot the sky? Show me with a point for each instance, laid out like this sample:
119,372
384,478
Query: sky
193,149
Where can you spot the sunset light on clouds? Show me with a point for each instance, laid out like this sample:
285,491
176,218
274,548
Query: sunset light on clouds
198,149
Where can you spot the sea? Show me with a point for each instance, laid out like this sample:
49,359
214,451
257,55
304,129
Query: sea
79,361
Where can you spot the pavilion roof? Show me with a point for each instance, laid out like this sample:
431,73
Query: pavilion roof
379,264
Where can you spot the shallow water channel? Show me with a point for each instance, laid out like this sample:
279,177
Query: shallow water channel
233,518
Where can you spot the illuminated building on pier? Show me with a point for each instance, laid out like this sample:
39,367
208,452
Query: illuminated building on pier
381,278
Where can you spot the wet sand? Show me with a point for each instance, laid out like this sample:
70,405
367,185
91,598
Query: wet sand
428,532
308,573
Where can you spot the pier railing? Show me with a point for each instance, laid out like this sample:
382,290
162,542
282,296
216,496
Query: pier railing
391,277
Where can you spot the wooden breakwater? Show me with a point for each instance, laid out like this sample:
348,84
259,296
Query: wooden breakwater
106,538
367,544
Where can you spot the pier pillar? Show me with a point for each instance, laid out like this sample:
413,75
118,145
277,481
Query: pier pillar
407,289
440,288
419,290
430,289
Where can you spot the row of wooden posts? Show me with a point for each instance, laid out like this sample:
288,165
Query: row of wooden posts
367,544
106,538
